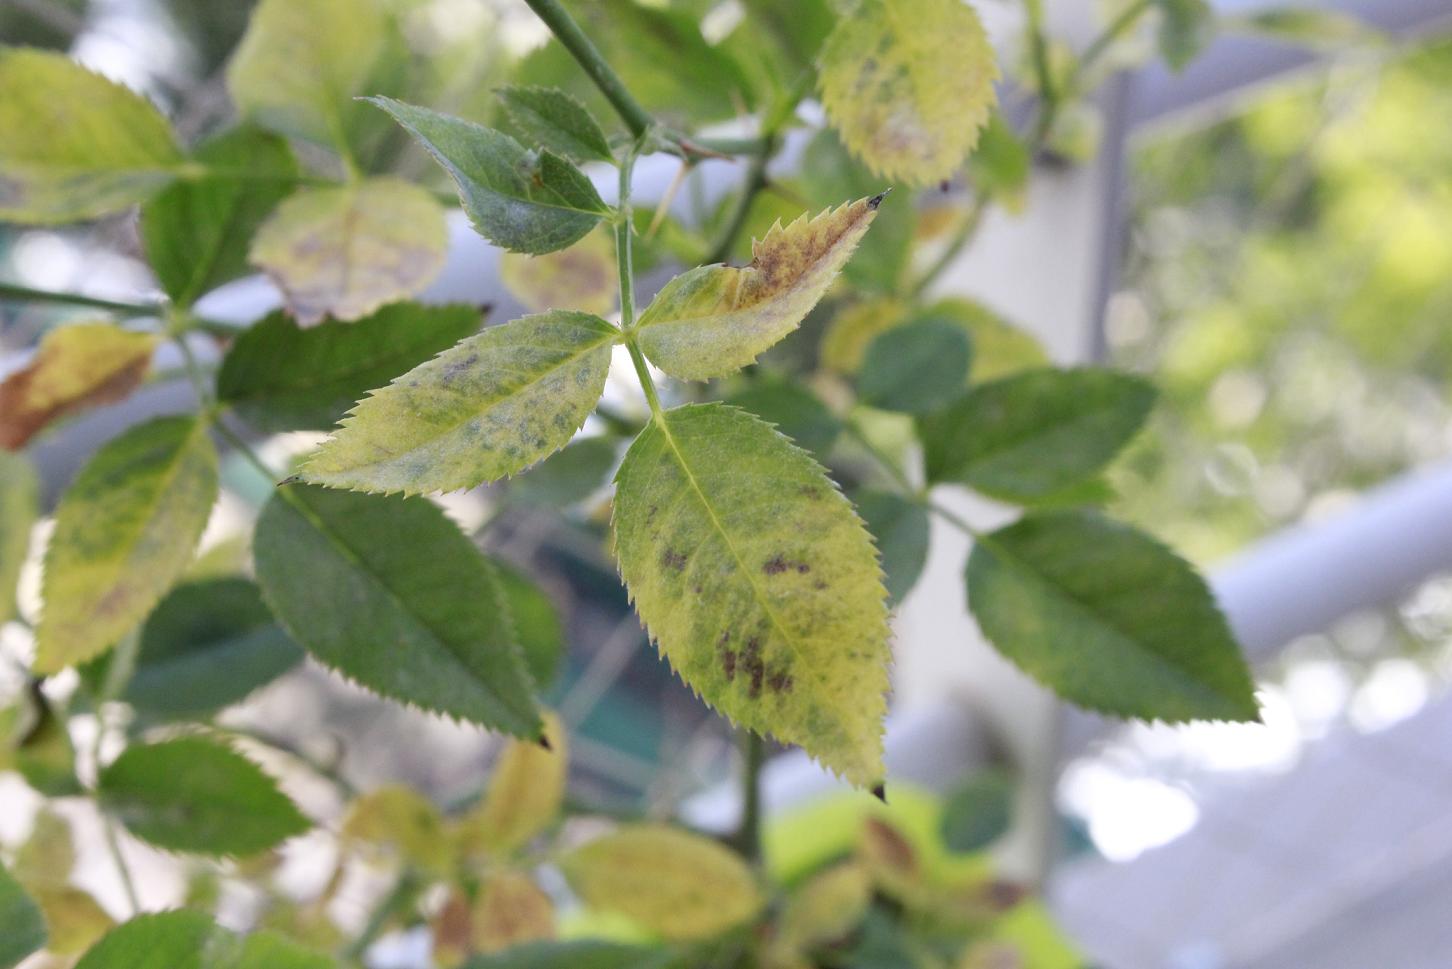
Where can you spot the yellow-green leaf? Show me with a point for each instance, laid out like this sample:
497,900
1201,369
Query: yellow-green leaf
714,320
125,531
398,821
74,145
680,885
524,795
76,367
908,84
74,919
758,581
510,910
488,407
19,506
344,252
581,277
824,909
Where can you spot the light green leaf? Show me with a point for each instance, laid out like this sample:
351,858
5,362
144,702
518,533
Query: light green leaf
714,320
519,200
908,84
74,145
1109,619
19,507
823,910
283,377
125,531
191,940
536,624
792,409
489,407
900,528
577,954
557,121
1310,26
978,812
389,593
197,795
915,368
196,232
399,824
1001,165
1032,435
1186,27
344,252
758,582
22,927
301,62
681,885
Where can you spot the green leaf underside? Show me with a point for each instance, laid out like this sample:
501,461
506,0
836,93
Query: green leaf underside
900,528
758,582
1109,619
794,410
197,795
206,646
520,200
556,120
74,145
1035,434
577,954
536,624
125,531
487,408
22,927
913,368
714,320
389,593
283,377
185,939
19,507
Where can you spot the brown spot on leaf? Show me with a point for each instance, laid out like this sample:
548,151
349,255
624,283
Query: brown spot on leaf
673,560
775,565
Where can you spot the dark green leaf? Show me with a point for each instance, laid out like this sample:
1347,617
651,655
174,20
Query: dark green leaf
581,954
523,201
1186,27
556,121
901,530
1029,436
978,813
794,410
196,232
388,592
22,928
1109,619
570,476
915,368
198,795
282,377
536,624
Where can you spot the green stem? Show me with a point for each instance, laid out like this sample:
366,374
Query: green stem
1039,47
1096,49
625,263
897,474
27,294
244,449
113,847
583,50
646,383
390,906
748,832
963,238
118,674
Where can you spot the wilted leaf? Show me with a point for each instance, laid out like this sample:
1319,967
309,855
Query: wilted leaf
758,582
681,885
1032,435
389,593
914,368
282,377
125,531
714,320
536,624
900,529
794,410
19,507
489,407
908,84
74,145
978,812
399,822
519,200
76,366
511,910
524,795
22,927
1109,619
197,795
344,252
557,121
1186,26
581,277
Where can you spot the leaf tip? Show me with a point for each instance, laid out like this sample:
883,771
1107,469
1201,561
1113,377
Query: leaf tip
544,742
291,479
876,200
879,791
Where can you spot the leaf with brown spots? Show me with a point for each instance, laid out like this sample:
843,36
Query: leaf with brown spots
758,582
714,320
76,367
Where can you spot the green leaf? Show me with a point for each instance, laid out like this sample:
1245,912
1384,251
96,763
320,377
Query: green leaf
519,200
489,407
389,592
397,823
758,582
572,475
301,62
999,347
196,232
191,940
344,252
74,145
714,320
268,950
1186,27
1002,163
19,508
536,624
557,121
125,531
283,377
577,954
22,927
1109,619
915,368
45,756
830,174
792,409
908,84
197,795
678,884
900,528
978,813
1029,436
206,646
1310,26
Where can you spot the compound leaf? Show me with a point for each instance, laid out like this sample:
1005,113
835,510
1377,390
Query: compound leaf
557,121
489,407
758,582
714,320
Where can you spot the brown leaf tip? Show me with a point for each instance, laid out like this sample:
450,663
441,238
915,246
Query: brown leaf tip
544,742
879,791
290,480
876,200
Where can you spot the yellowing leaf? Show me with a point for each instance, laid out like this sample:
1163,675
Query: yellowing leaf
74,145
398,821
74,918
488,407
76,367
890,859
908,84
681,885
714,320
48,855
758,581
19,507
344,252
823,910
581,277
524,795
510,910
